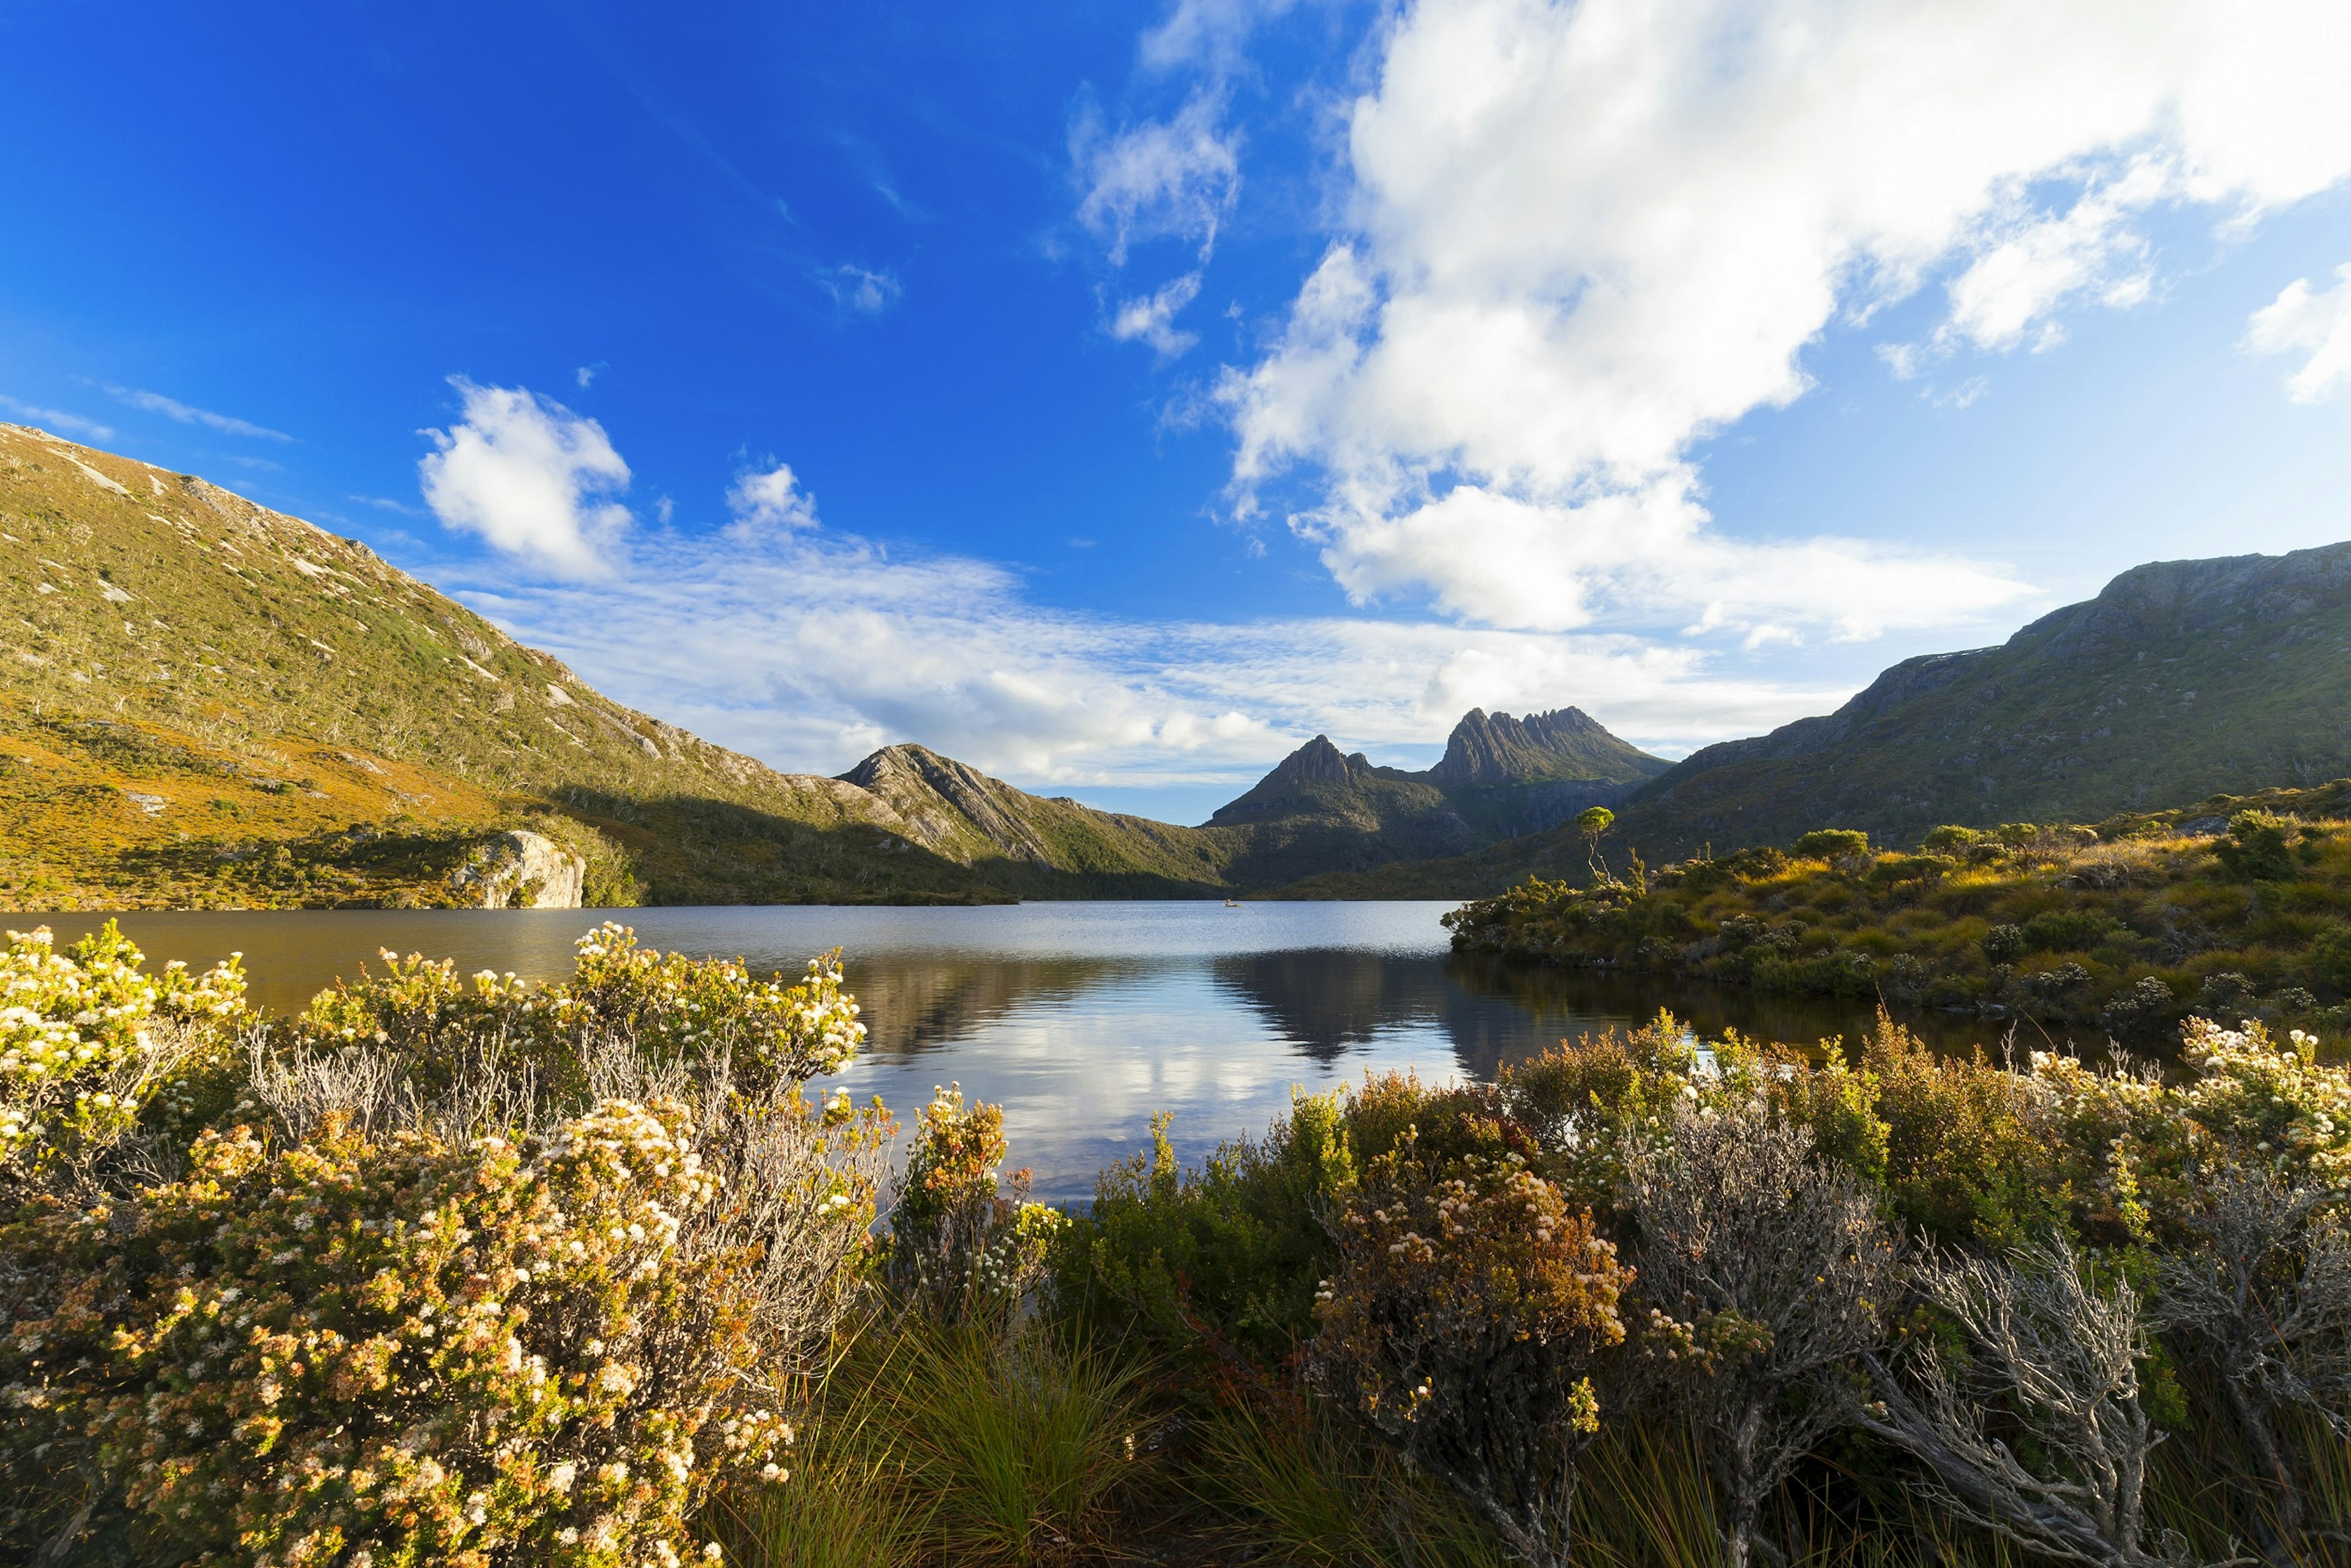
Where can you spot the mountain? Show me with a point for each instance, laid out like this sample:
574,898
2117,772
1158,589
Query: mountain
1321,811
205,701
1566,744
2182,680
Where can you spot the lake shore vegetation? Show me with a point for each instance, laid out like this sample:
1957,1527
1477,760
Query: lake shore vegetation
2236,910
457,1270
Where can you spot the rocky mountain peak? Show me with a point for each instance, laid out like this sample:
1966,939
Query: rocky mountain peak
1565,743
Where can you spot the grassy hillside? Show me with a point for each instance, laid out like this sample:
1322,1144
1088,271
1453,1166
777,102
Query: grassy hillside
206,702
2180,679
2234,907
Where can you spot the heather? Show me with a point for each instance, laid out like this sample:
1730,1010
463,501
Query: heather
457,1270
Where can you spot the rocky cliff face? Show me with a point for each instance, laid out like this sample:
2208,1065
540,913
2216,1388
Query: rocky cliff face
521,870
1486,749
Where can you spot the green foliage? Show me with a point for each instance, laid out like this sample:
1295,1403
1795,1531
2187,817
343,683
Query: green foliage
2255,849
666,1007
1830,844
1232,1248
959,1245
2130,923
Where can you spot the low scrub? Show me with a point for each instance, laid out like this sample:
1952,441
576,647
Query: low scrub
2129,927
462,1271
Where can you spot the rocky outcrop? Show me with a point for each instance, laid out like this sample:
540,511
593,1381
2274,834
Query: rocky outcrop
521,870
1490,750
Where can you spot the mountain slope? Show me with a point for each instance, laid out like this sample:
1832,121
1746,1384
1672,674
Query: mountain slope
203,701
2180,681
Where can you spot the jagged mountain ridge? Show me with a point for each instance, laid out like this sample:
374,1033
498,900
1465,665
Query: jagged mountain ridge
1321,811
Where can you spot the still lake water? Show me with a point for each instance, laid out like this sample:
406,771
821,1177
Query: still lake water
1083,1019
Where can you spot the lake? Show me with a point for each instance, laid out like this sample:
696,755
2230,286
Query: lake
1083,1019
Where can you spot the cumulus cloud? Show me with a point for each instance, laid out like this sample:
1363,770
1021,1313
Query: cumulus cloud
172,408
2315,322
530,477
768,498
1582,238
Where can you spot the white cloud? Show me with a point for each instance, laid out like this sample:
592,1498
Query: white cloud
1177,178
172,408
862,289
2316,322
530,477
1151,318
810,650
1582,238
769,499
59,419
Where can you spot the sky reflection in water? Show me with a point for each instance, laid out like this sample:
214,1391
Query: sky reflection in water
1083,1019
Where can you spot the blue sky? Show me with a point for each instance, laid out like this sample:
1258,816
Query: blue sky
1114,397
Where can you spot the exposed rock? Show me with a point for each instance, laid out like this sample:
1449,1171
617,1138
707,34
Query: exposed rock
522,869
1566,742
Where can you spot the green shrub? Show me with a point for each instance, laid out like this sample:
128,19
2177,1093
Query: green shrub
1952,838
958,1244
2256,848
2065,931
1830,844
2004,945
2329,960
91,1044
1463,1323
1232,1248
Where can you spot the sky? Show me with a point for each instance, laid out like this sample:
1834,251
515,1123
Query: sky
1114,397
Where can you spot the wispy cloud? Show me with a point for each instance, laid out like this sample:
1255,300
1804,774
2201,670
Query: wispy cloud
59,419
810,648
864,290
1151,318
186,413
2316,322
531,477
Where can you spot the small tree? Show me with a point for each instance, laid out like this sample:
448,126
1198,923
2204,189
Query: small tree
1593,822
1468,1325
1769,1270
2261,1290
2057,1356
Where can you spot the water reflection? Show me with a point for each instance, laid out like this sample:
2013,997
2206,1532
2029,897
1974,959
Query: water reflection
1083,1019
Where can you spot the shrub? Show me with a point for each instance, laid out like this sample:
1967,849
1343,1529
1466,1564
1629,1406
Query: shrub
1950,838
2256,848
2063,931
1468,1315
661,1008
2004,945
1830,844
404,1348
1231,1251
957,1243
2330,957
1768,1269
90,1043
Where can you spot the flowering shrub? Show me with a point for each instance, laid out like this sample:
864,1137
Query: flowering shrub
956,1240
400,1350
89,1039
665,1007
1468,1314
